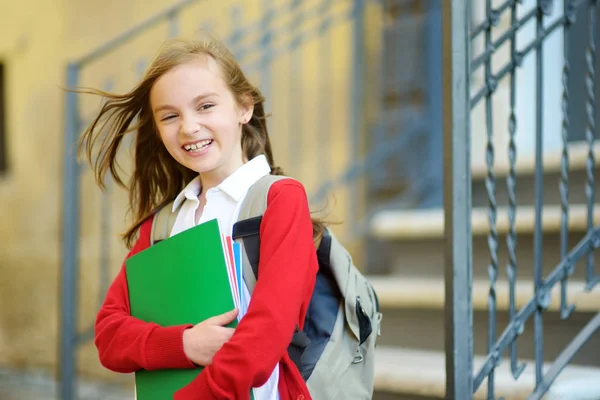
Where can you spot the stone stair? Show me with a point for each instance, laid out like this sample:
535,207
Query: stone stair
406,266
421,375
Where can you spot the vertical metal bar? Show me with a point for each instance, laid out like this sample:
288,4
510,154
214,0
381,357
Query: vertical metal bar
265,74
105,214
458,308
357,102
590,130
511,183
565,357
207,26
379,131
296,89
434,105
70,244
235,13
565,310
539,202
324,97
490,185
173,24
140,68
3,149
105,219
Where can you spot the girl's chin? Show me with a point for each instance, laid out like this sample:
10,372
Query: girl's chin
201,167
200,164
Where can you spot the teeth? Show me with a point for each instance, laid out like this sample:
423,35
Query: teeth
197,146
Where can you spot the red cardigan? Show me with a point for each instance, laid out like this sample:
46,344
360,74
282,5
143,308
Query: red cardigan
288,267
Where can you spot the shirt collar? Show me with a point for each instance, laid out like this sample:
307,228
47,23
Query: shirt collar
236,185
191,192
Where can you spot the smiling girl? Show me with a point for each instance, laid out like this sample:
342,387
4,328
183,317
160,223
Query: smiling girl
201,140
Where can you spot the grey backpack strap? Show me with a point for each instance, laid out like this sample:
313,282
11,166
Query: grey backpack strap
255,202
163,222
246,230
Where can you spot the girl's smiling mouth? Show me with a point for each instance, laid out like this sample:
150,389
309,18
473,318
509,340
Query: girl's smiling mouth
198,146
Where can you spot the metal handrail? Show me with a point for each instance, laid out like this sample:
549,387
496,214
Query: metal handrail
129,34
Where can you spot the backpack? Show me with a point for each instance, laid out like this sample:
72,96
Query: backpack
335,352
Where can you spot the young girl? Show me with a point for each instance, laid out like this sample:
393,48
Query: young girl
202,140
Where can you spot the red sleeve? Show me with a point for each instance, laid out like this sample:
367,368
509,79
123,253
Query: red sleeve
287,272
127,344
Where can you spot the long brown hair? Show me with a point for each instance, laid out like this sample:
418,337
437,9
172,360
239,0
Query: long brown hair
157,178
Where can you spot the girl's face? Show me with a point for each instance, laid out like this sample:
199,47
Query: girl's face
198,118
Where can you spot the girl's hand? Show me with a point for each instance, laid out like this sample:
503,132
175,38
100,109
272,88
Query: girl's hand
201,342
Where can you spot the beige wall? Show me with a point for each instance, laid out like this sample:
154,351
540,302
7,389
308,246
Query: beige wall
36,40
31,48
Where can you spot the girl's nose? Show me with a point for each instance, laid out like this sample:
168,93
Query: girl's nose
190,126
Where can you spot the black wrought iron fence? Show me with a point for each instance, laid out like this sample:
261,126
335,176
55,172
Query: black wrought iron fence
460,97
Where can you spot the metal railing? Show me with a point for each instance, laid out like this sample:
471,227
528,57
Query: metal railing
459,100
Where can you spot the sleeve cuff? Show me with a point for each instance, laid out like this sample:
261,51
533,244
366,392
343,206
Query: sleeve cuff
164,349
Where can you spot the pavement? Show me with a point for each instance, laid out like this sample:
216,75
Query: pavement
42,386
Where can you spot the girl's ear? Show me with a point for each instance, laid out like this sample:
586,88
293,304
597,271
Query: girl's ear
246,109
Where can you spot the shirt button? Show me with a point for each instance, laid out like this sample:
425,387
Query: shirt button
300,397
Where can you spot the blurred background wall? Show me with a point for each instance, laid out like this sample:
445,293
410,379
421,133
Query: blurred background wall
38,40
355,92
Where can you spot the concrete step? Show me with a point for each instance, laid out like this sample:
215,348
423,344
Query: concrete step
385,186
411,242
525,179
525,189
404,371
413,316
380,395
429,224
428,293
525,164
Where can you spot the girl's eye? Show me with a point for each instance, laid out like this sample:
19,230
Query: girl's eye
168,117
204,107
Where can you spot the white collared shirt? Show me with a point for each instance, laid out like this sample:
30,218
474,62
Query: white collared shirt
223,202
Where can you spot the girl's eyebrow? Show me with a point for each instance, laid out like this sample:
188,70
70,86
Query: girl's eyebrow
194,100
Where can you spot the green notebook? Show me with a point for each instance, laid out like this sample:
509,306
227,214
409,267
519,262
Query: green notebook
181,280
